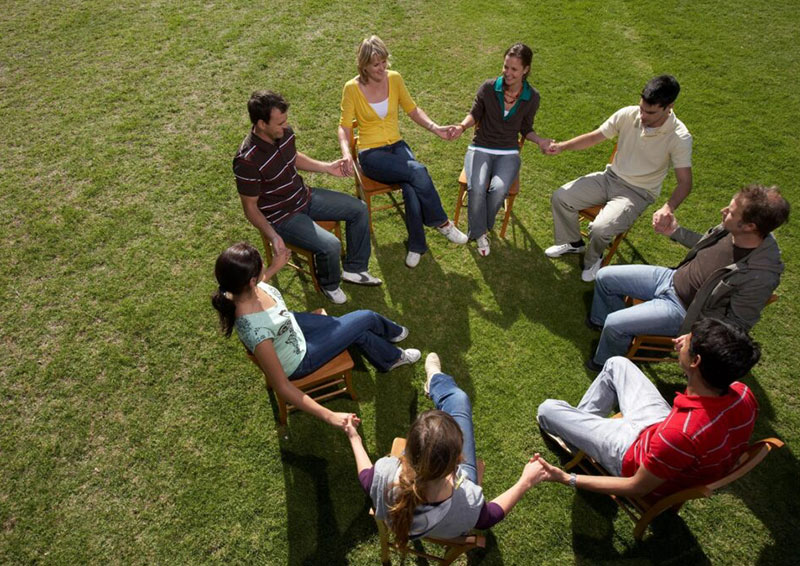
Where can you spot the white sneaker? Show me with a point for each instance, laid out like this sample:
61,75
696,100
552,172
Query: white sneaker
360,278
400,337
407,356
560,249
336,296
452,233
412,259
589,274
483,245
433,365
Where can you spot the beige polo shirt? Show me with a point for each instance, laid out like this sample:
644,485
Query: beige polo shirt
643,157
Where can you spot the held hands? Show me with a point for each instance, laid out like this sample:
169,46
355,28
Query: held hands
341,167
552,473
664,221
545,144
348,422
532,473
454,132
554,148
442,131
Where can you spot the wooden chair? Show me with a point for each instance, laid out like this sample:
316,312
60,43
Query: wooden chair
588,215
643,511
653,348
330,380
304,262
367,188
454,547
508,203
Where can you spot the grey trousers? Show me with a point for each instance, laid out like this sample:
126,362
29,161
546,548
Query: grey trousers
587,427
623,204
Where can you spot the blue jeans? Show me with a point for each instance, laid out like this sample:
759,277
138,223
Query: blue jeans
489,177
395,164
621,384
301,230
448,397
662,314
328,336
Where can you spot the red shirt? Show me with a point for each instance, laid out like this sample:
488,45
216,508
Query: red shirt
268,172
699,441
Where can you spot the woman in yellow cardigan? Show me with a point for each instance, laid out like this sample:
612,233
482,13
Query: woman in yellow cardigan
373,99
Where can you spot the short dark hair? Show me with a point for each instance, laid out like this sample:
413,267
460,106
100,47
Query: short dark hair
521,52
661,90
261,104
763,206
726,352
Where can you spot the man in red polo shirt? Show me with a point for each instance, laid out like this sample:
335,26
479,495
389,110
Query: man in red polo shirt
654,448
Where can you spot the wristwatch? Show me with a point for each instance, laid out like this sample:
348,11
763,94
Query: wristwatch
573,480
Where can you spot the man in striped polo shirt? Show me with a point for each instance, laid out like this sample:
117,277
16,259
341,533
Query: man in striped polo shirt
280,205
655,449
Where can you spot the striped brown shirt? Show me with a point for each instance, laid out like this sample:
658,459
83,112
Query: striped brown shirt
268,171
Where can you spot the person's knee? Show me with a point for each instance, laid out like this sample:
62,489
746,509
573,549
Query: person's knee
558,197
545,412
604,231
419,176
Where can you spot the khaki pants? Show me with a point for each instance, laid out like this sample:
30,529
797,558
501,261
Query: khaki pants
623,203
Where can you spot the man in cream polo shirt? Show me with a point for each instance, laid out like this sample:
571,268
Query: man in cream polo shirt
650,138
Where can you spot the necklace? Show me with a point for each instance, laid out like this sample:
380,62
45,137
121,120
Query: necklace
511,98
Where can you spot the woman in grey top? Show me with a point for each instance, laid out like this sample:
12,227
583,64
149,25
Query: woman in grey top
432,489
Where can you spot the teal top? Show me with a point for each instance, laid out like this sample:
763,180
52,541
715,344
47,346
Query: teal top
276,324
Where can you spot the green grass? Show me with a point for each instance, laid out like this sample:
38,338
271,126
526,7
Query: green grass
132,432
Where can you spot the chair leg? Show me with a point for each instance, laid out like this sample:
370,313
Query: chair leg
452,553
348,383
459,202
612,249
369,211
283,410
384,536
509,205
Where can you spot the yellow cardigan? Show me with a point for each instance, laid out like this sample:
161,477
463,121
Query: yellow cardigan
374,131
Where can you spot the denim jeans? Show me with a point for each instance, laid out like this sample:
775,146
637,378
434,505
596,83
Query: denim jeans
395,164
328,336
620,384
301,230
448,397
661,314
489,177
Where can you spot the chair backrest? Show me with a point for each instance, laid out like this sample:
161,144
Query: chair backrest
754,454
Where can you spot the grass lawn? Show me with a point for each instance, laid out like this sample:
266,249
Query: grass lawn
132,432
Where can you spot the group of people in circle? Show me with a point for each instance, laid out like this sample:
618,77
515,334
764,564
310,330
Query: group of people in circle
432,489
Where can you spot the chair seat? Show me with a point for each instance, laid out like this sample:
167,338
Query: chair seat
307,256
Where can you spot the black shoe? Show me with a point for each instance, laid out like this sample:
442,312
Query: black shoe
592,366
591,325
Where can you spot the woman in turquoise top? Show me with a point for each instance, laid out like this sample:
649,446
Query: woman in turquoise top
289,345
